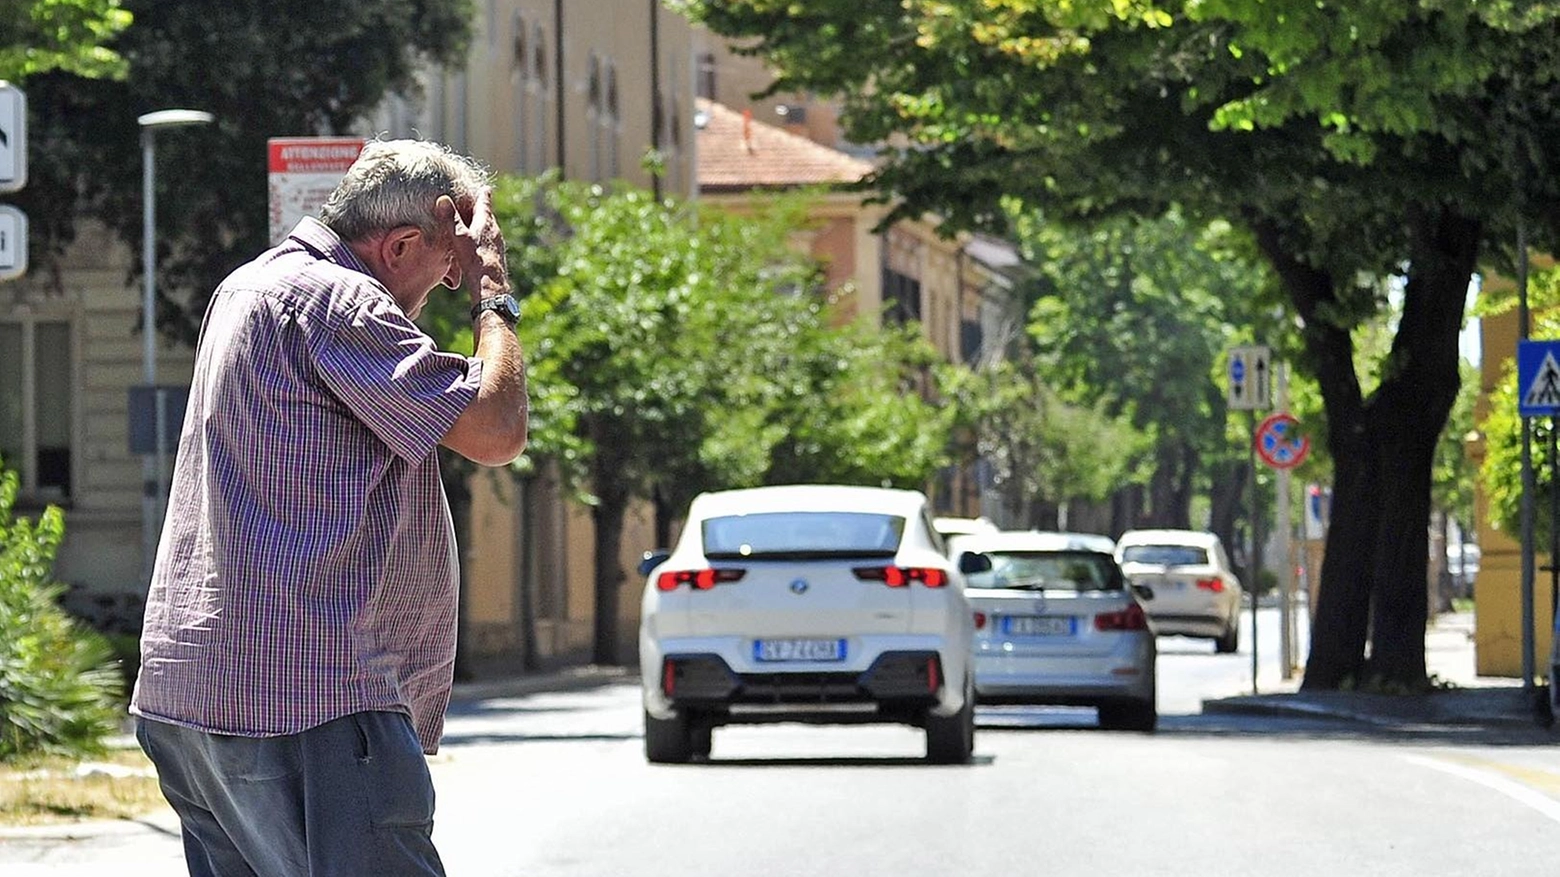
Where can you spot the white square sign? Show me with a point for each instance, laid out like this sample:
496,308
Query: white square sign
13,137
13,243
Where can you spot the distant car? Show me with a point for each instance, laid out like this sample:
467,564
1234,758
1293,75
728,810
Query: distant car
1056,623
1462,563
806,603
1196,593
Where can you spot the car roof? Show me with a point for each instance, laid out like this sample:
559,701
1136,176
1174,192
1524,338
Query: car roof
959,526
808,498
1200,538
1033,540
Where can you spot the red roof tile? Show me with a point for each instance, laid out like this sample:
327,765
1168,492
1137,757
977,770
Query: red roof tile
737,153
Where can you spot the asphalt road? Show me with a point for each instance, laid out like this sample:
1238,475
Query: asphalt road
555,784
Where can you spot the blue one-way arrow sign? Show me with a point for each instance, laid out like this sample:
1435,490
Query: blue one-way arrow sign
1538,378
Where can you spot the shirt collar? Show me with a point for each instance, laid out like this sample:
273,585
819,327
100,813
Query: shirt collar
322,240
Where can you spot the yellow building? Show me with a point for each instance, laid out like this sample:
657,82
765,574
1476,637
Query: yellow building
1497,590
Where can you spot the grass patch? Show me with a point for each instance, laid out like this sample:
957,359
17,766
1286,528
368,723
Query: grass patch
118,785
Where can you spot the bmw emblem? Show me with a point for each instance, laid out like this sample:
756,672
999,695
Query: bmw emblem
799,586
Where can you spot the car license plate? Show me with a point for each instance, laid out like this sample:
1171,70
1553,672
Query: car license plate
1039,625
799,650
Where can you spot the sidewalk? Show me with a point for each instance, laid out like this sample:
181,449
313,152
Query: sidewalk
1467,700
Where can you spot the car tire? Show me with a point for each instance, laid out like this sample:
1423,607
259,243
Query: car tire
668,741
1129,715
951,739
701,737
1229,641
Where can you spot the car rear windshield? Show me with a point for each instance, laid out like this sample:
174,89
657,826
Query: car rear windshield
1048,570
802,535
1169,555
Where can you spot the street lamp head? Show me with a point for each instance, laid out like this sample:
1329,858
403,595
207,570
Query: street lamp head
174,118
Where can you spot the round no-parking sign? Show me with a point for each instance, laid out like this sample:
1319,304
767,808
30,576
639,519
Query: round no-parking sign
1279,443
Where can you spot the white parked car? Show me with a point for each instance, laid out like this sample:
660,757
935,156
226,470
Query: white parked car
1196,593
805,603
1057,623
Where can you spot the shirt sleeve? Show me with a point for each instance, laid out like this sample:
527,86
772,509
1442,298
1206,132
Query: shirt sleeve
389,374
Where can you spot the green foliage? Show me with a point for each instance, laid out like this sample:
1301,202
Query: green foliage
683,350
39,36
1040,447
58,689
1134,315
263,71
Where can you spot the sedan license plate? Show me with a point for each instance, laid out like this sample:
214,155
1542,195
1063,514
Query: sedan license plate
799,650
1039,625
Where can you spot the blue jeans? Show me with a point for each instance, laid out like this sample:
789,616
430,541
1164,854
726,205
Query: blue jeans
350,798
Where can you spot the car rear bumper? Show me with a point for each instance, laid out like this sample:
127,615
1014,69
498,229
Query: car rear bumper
898,686
1124,674
1188,625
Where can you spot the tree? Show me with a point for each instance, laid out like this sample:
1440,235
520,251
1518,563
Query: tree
1135,314
673,350
263,70
37,36
1352,141
1043,450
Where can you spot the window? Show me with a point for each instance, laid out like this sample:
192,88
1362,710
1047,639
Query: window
704,81
796,534
36,380
902,296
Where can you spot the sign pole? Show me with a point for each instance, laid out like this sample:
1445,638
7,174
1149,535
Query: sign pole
1286,571
1528,643
1256,548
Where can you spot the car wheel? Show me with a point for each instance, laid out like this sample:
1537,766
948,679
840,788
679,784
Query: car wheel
1228,641
1129,715
951,739
668,741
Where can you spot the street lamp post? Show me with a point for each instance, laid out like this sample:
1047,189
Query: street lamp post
153,466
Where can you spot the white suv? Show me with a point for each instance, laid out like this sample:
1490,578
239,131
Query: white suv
808,603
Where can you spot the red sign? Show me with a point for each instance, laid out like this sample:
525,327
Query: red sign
1279,443
303,173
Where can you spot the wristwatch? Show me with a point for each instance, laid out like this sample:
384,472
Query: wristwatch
504,305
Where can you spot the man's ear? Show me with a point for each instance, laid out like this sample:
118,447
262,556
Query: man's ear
398,245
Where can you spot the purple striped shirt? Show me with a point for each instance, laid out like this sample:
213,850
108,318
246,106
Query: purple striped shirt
307,568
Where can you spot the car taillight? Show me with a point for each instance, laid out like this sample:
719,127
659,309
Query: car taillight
1130,618
980,621
900,576
1214,585
700,579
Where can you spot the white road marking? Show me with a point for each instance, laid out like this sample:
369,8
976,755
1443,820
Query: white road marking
1514,790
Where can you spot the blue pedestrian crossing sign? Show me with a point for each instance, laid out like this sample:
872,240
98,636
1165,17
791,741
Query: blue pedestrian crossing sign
1538,378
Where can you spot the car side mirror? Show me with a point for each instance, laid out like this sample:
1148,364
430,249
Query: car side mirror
652,559
1143,592
974,561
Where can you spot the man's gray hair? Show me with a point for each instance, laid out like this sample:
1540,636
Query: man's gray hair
395,183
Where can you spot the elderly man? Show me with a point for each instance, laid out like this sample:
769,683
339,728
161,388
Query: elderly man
299,641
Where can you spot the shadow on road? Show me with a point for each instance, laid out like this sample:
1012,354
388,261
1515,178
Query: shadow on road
1022,721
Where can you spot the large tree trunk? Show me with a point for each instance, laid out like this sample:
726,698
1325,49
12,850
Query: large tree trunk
1372,587
608,515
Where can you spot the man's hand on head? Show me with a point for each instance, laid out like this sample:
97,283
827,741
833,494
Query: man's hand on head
478,244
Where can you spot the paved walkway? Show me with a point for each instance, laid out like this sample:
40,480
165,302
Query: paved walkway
1466,699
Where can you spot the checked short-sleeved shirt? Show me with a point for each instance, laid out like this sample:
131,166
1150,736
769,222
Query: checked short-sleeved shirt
307,568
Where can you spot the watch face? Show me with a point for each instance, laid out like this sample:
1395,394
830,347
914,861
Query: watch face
509,307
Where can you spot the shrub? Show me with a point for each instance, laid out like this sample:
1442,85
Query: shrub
59,689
